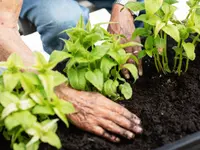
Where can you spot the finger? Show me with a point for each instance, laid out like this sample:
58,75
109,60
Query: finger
101,132
140,69
114,128
120,120
126,74
124,112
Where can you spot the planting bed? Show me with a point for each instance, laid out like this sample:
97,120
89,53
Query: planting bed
168,105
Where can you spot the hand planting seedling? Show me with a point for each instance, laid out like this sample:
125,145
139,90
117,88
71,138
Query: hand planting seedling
95,60
28,102
160,22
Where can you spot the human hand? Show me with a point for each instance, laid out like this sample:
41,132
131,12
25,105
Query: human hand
125,25
99,115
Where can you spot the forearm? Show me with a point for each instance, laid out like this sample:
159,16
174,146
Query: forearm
10,42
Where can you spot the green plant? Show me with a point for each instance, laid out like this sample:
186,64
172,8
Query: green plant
95,60
159,21
28,102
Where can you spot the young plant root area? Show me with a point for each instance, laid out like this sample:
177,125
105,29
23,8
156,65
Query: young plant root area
168,105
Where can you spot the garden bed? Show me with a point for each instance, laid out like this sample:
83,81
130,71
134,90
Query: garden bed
168,105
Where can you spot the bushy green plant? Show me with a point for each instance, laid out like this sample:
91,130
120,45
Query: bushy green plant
159,21
28,102
95,60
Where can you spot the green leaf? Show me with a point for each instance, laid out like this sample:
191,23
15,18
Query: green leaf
15,60
95,78
88,26
195,29
106,65
183,30
46,110
140,32
152,6
149,20
58,78
149,43
168,10
149,52
77,78
159,26
65,107
47,81
10,80
37,97
141,54
110,88
34,146
171,1
91,39
190,50
160,43
126,90
57,57
61,116
135,6
172,31
133,70
7,98
20,146
31,144
8,110
52,139
98,52
130,44
25,104
81,23
50,125
24,118
40,61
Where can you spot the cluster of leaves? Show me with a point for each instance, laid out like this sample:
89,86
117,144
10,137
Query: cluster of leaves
95,60
160,21
28,102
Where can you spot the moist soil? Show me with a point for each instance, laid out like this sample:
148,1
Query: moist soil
168,105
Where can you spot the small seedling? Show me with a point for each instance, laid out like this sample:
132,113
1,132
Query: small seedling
28,102
95,60
160,22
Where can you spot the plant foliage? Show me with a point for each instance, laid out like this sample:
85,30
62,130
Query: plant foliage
160,22
28,102
95,60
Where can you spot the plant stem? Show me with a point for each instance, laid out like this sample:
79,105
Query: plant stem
156,64
165,50
195,39
159,63
187,64
180,62
175,58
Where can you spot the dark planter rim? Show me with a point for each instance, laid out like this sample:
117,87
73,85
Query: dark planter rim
190,142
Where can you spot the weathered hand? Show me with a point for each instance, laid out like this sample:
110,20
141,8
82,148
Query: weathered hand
99,115
125,25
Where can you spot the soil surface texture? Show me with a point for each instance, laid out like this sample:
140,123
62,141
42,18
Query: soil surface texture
168,105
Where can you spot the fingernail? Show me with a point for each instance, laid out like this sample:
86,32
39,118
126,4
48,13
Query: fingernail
131,135
127,76
138,129
140,72
117,139
137,121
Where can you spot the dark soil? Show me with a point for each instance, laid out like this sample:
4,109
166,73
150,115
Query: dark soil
169,107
